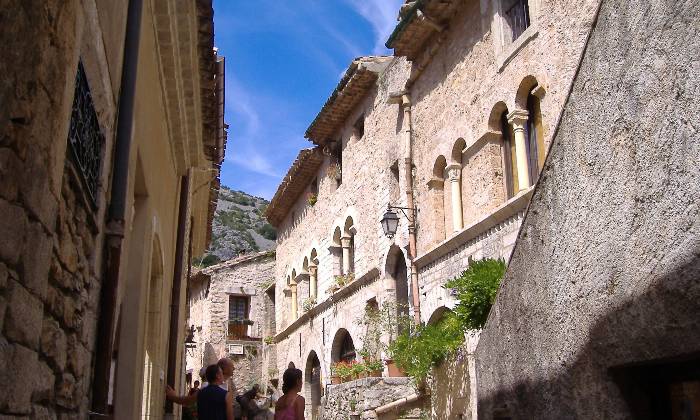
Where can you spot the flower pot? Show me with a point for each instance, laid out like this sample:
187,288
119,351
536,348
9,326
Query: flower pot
346,379
375,374
335,380
394,371
362,375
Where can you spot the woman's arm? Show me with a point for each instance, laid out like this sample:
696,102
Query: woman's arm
300,404
180,399
229,405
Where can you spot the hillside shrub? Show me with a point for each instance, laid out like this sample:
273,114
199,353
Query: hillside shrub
476,290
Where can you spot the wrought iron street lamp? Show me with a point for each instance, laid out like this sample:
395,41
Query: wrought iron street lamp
390,220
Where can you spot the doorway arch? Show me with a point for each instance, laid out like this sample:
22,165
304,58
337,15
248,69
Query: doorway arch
397,270
152,387
343,347
314,390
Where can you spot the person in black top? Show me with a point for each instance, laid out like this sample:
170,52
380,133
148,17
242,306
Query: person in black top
214,402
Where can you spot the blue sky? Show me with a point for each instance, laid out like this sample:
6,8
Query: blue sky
283,60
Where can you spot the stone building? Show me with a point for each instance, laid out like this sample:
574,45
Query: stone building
456,124
111,142
229,308
599,312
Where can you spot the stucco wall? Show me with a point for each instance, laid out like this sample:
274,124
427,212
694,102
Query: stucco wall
605,272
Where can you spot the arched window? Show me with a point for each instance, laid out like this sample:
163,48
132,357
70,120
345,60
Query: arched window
510,168
535,137
348,243
436,187
343,347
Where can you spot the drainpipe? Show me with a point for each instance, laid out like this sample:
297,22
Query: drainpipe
395,405
177,280
404,99
117,210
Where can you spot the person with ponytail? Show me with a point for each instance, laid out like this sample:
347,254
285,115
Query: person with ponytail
291,405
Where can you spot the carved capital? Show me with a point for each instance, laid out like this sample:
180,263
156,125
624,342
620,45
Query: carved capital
518,119
313,270
345,241
454,171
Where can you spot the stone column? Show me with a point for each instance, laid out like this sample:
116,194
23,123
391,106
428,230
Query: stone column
345,243
454,174
518,119
313,279
295,304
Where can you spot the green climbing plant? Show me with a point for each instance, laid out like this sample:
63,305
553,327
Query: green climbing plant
476,290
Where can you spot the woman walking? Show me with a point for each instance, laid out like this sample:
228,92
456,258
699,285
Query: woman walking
291,405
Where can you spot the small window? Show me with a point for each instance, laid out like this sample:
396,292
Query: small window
516,14
238,307
359,127
314,186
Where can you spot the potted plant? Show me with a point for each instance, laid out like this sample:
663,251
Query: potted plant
344,371
308,303
374,368
393,319
357,369
311,198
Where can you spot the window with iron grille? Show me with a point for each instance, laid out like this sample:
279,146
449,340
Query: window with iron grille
517,17
238,317
85,138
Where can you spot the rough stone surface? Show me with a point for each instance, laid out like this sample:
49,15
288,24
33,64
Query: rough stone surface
606,269
248,276
362,396
24,317
459,86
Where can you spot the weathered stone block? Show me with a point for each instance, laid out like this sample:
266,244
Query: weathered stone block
53,343
15,362
36,259
24,316
13,225
78,357
65,389
4,274
44,383
10,166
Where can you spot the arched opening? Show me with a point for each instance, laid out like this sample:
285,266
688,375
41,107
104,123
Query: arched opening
337,252
438,200
528,99
397,270
313,388
455,174
510,168
348,244
313,274
152,386
343,348
437,315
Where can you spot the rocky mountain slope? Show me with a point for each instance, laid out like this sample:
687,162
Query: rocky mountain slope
239,227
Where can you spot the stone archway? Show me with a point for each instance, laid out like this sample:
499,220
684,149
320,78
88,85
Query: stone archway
343,347
313,389
397,270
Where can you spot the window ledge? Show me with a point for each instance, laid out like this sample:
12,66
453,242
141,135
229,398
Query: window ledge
512,50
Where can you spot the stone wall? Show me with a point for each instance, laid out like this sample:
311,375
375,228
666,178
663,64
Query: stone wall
246,276
49,231
357,399
600,304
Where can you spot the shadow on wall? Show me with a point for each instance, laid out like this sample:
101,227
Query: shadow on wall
450,387
641,360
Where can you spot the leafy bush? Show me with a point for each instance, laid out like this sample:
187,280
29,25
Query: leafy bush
267,231
476,290
206,261
417,350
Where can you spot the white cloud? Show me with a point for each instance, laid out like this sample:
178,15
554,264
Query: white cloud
381,14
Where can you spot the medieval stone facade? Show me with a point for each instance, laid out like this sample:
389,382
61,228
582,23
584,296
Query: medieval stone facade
598,314
108,171
457,124
228,307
